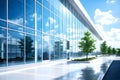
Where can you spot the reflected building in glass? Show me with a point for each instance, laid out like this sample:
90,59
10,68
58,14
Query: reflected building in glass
33,31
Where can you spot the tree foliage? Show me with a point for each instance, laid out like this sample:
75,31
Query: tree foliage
27,43
103,48
114,51
87,43
109,51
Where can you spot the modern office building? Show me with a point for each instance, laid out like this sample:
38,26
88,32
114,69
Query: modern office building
33,31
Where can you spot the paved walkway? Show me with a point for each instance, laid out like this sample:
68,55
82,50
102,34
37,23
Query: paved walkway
113,72
65,71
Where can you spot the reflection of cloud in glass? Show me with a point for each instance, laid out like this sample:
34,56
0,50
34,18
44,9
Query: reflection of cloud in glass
56,26
17,21
74,36
21,34
32,17
73,30
63,36
50,21
46,38
52,32
73,45
39,17
47,24
1,36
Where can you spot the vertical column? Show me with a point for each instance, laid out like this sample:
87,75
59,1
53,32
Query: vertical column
35,32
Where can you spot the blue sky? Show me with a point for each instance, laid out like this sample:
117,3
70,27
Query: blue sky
105,14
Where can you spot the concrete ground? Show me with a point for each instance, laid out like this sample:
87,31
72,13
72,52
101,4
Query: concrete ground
93,70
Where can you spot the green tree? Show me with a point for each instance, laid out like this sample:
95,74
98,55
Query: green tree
118,51
114,51
109,50
87,44
28,43
103,48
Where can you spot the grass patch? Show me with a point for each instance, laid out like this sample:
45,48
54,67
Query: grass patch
84,59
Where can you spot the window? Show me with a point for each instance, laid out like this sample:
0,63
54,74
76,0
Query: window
39,48
2,47
30,48
30,14
15,48
46,20
16,11
39,17
3,9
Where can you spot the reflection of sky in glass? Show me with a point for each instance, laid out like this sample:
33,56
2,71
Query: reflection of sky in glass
3,9
2,32
15,10
59,22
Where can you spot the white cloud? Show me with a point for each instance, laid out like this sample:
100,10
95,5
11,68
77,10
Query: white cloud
63,36
50,22
104,18
46,38
17,21
32,16
39,17
47,24
2,36
112,37
56,26
110,1
73,30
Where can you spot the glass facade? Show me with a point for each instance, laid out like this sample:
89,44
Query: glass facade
33,31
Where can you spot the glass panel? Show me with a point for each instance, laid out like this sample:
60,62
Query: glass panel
2,47
39,33
39,48
53,21
46,20
40,1
15,27
56,27
63,49
15,48
16,11
46,42
29,30
52,47
39,17
2,23
46,3
56,48
30,48
30,14
3,9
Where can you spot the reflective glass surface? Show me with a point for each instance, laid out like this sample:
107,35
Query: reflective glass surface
3,9
30,48
39,48
39,16
15,48
2,47
16,11
38,30
30,13
46,41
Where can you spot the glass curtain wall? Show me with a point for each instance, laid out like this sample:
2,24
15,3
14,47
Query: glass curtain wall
37,30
